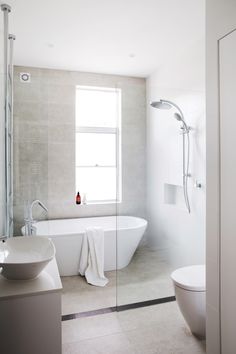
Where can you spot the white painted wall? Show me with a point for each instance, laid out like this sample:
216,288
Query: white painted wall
181,80
227,54
220,19
2,167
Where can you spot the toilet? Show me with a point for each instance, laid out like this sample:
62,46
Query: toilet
190,292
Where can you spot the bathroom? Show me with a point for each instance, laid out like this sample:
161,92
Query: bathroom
110,157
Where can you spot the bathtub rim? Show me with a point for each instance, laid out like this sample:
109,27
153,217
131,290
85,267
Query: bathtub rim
134,227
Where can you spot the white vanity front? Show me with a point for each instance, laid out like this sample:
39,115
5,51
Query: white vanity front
30,320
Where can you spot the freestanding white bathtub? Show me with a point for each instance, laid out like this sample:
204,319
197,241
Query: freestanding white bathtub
122,236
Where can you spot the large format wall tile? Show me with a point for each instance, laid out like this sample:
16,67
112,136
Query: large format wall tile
44,148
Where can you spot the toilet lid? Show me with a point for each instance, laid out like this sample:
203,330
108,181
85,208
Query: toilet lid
190,278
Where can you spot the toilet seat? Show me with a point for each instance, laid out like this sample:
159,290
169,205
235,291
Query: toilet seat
190,278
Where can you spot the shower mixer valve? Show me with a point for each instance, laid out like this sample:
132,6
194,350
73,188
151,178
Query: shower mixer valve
185,130
197,184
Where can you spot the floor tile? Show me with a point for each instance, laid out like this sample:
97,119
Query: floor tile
147,277
164,340
90,327
113,344
158,329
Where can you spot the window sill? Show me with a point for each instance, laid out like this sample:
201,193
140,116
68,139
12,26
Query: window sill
101,203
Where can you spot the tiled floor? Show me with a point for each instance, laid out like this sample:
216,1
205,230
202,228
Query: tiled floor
147,277
158,329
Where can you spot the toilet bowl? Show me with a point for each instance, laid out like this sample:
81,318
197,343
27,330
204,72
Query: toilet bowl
190,292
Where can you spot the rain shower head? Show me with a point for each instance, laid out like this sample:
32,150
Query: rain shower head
161,104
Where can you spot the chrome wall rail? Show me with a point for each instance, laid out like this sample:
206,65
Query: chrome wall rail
8,94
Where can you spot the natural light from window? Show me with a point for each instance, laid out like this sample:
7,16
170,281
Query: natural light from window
98,156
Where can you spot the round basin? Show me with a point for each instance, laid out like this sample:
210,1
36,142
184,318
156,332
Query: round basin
24,257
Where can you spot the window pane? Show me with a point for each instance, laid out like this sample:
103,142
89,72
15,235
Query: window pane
95,149
96,108
99,183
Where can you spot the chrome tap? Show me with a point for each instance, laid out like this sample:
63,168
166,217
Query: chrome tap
30,229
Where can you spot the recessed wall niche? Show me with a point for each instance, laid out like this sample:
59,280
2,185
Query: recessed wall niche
173,195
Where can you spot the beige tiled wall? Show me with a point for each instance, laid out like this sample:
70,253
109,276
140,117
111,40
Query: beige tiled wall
44,145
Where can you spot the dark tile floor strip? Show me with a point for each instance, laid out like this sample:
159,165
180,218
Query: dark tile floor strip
120,308
145,303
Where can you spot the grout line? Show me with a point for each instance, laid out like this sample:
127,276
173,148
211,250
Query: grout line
118,308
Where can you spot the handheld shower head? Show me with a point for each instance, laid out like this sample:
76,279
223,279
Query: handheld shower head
178,117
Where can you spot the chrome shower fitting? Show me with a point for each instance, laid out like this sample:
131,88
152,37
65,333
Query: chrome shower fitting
164,104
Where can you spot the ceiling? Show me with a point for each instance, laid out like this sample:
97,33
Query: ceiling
126,37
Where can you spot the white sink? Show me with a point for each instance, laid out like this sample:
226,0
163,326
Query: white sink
24,257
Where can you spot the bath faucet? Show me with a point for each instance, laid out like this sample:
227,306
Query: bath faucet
30,229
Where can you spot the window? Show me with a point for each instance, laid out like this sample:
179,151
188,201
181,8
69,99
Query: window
98,143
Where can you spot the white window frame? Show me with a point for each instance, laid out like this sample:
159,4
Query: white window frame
106,130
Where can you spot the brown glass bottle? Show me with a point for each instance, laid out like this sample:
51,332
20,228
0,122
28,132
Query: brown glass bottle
78,198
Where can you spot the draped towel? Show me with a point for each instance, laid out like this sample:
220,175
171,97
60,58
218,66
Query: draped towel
92,256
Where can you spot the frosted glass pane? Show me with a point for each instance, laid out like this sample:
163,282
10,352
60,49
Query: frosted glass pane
95,149
99,183
96,108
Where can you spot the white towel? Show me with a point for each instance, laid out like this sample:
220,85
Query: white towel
92,257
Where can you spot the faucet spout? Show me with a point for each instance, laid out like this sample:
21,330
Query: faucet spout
29,220
37,201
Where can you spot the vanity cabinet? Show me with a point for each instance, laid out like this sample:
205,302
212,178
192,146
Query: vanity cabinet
30,314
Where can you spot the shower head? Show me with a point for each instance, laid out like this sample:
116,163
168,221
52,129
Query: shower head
178,117
164,104
161,104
